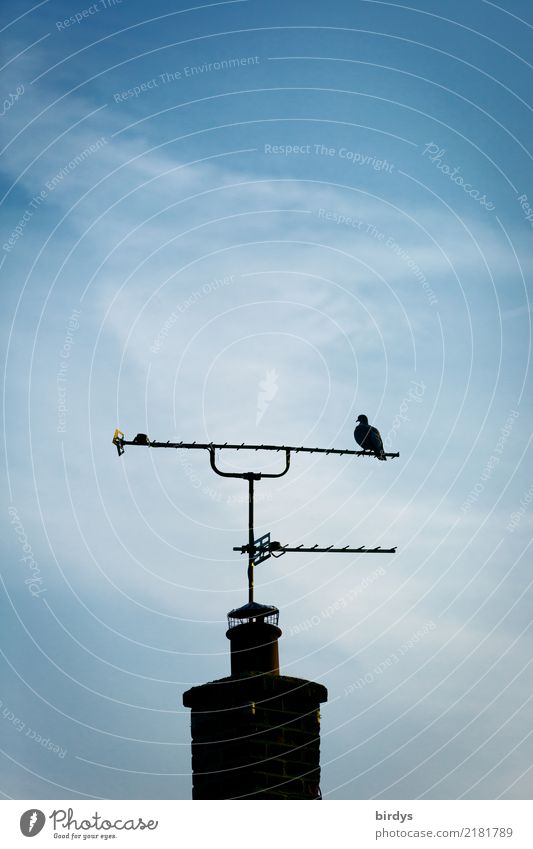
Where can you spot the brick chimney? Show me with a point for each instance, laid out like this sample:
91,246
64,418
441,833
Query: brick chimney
255,734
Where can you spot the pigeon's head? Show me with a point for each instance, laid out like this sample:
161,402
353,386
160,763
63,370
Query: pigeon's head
363,419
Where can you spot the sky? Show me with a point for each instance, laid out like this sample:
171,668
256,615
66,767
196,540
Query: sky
251,222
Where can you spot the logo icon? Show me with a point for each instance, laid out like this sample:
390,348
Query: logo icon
32,822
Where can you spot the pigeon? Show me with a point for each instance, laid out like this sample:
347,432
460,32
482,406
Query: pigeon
369,438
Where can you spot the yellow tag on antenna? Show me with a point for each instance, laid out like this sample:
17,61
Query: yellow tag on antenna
117,436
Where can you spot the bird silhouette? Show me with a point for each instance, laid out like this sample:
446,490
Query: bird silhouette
369,438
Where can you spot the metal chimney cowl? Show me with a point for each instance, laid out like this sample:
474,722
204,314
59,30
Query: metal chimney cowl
253,634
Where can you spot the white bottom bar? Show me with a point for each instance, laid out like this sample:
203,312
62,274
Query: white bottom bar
269,825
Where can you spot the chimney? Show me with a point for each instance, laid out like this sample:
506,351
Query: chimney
255,734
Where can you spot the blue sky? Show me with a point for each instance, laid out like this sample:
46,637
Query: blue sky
252,222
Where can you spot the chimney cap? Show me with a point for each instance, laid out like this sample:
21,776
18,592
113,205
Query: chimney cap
253,612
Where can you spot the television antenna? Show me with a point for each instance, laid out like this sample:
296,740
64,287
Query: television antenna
261,549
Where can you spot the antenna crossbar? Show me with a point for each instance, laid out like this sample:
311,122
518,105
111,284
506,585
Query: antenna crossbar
120,442
276,550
